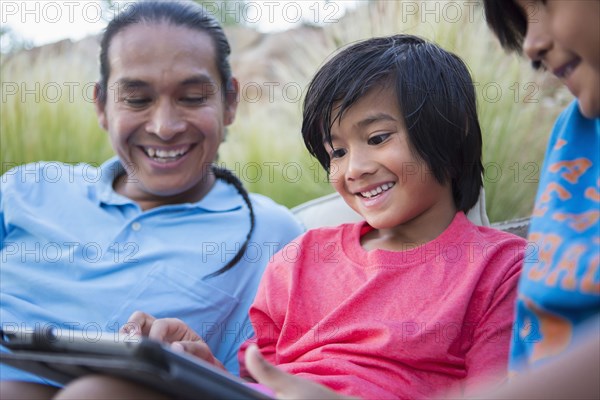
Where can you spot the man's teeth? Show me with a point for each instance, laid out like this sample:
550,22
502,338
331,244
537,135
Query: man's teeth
377,190
165,154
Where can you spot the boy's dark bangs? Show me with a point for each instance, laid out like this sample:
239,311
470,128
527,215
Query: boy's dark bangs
350,91
507,21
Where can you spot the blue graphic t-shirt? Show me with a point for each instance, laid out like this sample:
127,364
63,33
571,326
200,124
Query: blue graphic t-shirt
560,283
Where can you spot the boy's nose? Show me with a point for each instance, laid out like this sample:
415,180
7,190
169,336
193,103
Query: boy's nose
538,40
165,121
359,165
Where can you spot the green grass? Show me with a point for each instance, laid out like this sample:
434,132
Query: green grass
264,145
46,110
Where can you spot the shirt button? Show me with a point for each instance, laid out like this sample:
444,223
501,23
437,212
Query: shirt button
136,226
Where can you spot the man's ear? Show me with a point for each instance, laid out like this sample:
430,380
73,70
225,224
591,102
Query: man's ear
100,106
232,91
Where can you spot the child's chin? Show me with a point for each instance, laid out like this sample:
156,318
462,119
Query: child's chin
590,108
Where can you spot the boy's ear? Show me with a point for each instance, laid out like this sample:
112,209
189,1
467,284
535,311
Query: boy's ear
100,106
231,101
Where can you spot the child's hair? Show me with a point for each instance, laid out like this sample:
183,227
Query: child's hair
507,21
435,94
177,13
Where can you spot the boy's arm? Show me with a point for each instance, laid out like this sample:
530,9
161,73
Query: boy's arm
487,358
268,312
285,386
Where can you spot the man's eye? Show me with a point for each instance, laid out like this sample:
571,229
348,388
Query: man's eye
378,139
194,100
337,153
137,101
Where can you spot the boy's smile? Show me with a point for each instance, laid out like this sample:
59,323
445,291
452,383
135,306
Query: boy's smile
374,168
379,189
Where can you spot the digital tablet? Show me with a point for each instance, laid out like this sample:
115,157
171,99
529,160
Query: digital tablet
63,355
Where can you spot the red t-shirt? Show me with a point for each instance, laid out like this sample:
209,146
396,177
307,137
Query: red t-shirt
384,324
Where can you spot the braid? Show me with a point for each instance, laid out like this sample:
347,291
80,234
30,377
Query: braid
228,177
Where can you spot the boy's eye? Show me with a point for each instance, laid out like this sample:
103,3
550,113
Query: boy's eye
337,153
378,139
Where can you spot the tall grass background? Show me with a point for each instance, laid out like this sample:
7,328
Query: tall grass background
516,105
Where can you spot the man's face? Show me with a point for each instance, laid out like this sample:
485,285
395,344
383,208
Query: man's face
165,112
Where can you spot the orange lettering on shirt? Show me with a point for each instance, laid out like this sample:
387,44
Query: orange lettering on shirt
592,193
591,280
567,263
563,193
547,247
555,330
579,222
539,211
574,168
559,144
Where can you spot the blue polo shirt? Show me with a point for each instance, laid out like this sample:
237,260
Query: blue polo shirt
77,255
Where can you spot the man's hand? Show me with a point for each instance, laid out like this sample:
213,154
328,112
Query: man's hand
172,331
284,385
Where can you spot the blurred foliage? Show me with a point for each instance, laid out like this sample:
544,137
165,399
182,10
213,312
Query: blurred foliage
517,106
11,42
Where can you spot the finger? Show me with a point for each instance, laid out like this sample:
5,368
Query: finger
139,323
171,330
198,349
263,371
284,385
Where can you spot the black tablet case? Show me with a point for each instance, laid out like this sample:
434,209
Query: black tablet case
62,359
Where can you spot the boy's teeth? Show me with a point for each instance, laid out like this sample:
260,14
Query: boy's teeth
377,190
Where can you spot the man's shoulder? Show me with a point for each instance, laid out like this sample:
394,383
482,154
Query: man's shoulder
49,174
266,209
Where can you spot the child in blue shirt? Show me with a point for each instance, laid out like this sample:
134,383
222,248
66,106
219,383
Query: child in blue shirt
559,290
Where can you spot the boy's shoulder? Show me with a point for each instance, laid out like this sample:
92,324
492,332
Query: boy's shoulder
338,232
495,235
572,122
327,234
493,241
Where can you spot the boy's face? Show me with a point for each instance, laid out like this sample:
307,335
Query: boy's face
564,35
375,170
164,112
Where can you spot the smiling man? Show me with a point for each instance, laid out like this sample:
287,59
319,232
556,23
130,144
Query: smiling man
159,229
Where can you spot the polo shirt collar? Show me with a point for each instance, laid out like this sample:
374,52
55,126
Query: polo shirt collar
222,196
